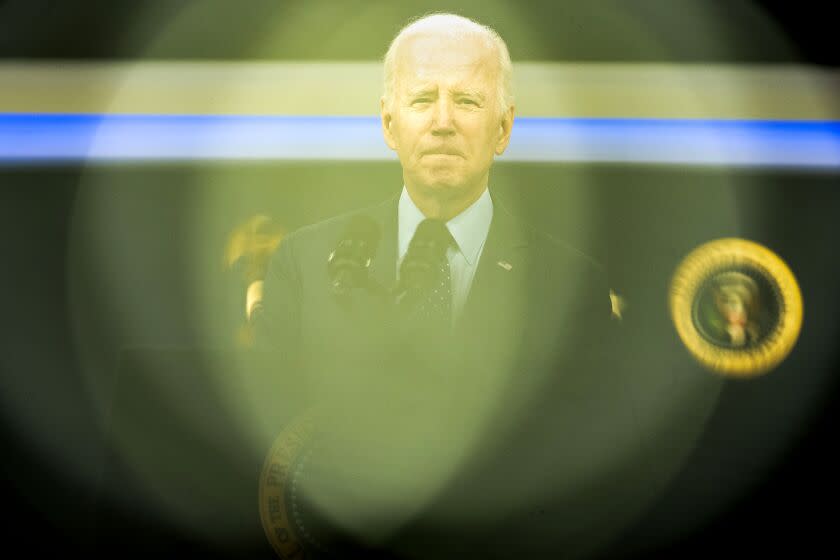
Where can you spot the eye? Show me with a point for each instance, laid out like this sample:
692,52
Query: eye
421,100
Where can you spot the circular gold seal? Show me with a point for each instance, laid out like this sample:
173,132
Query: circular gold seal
736,306
274,486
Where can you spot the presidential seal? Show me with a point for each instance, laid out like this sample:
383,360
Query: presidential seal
275,489
736,306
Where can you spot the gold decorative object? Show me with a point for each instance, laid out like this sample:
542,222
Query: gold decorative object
736,306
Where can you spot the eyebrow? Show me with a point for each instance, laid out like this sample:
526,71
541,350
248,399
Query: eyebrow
457,93
468,93
422,91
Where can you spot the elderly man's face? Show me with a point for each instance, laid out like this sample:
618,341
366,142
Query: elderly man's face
445,122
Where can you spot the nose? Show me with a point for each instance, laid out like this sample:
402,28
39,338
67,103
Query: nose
442,117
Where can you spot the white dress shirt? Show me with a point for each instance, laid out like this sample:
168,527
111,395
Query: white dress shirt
469,229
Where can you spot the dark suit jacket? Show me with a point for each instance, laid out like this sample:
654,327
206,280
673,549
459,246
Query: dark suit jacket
542,416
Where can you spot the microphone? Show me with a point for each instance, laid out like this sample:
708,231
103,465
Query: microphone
349,262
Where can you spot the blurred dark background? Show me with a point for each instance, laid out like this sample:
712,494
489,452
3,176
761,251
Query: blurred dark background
746,31
61,315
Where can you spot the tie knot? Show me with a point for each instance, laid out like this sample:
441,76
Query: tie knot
433,235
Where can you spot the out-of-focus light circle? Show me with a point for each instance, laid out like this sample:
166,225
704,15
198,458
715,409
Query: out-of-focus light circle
116,225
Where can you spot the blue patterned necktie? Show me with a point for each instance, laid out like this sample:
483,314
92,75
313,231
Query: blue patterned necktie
425,270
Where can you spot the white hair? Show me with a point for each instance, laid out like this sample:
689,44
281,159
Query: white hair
454,26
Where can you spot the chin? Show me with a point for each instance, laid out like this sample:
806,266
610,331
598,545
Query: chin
447,191
440,182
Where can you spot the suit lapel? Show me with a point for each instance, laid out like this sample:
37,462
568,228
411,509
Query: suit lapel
500,276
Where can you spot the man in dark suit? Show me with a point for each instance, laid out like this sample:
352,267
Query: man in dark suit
446,401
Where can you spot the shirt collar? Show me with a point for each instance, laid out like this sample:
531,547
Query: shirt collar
469,228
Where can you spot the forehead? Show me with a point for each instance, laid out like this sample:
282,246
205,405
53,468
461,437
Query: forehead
450,60
736,290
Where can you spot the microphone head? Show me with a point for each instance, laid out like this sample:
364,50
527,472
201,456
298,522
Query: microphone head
348,264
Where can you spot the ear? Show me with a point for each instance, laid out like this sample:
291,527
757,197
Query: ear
505,127
387,120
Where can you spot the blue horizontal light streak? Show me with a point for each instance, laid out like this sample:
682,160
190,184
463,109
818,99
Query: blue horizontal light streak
45,138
